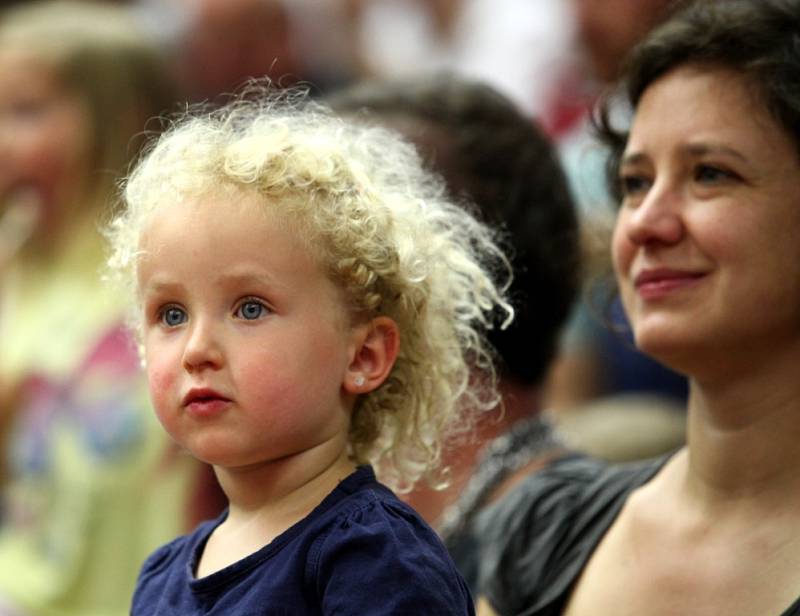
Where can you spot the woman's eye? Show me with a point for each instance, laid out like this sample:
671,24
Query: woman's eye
707,173
28,109
633,184
251,310
172,316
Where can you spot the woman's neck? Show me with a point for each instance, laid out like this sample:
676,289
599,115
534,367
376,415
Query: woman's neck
744,434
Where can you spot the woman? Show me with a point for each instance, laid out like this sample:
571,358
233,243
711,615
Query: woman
705,251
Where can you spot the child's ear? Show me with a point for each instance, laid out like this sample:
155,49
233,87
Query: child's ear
377,345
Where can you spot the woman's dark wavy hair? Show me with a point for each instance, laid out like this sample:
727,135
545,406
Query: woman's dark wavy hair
760,39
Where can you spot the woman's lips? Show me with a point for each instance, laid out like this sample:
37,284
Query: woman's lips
660,283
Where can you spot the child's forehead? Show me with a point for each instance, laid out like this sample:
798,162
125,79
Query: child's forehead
219,203
177,218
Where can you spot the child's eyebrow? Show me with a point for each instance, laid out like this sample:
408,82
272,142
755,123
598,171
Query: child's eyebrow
227,280
247,279
156,286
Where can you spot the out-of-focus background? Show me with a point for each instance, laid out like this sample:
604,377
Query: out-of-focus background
88,483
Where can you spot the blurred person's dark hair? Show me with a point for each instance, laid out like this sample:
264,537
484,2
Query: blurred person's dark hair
493,157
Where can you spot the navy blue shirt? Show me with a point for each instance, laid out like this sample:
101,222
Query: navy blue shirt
362,551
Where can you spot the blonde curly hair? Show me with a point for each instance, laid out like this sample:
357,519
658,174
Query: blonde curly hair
384,229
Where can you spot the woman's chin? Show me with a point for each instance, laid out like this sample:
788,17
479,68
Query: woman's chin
666,346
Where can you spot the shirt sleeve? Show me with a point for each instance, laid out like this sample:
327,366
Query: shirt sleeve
384,559
150,582
536,541
525,537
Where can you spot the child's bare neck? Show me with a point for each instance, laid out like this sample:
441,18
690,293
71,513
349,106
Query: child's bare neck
265,502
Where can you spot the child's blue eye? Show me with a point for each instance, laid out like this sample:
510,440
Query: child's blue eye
251,310
172,316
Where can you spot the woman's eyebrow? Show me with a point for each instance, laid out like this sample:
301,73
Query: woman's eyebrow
692,149
633,158
705,148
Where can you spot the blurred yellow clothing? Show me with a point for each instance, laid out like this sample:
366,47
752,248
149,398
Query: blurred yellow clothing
51,312
95,484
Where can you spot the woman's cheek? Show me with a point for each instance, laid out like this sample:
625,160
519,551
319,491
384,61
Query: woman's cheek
622,251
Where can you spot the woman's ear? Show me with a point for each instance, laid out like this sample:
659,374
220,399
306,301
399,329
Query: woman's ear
377,344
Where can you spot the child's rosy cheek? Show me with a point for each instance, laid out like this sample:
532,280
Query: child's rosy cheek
162,383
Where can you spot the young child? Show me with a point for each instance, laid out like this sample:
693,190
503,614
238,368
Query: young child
310,305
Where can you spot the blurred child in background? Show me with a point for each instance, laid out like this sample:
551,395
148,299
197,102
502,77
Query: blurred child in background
91,484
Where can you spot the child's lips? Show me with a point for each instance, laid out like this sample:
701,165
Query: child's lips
205,401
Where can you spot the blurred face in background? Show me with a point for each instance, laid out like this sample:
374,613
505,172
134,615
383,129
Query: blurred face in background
230,41
45,141
608,29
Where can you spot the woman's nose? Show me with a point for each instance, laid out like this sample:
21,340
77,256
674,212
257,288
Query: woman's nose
203,349
657,219
8,164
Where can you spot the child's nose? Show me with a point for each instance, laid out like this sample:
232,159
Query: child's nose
203,350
